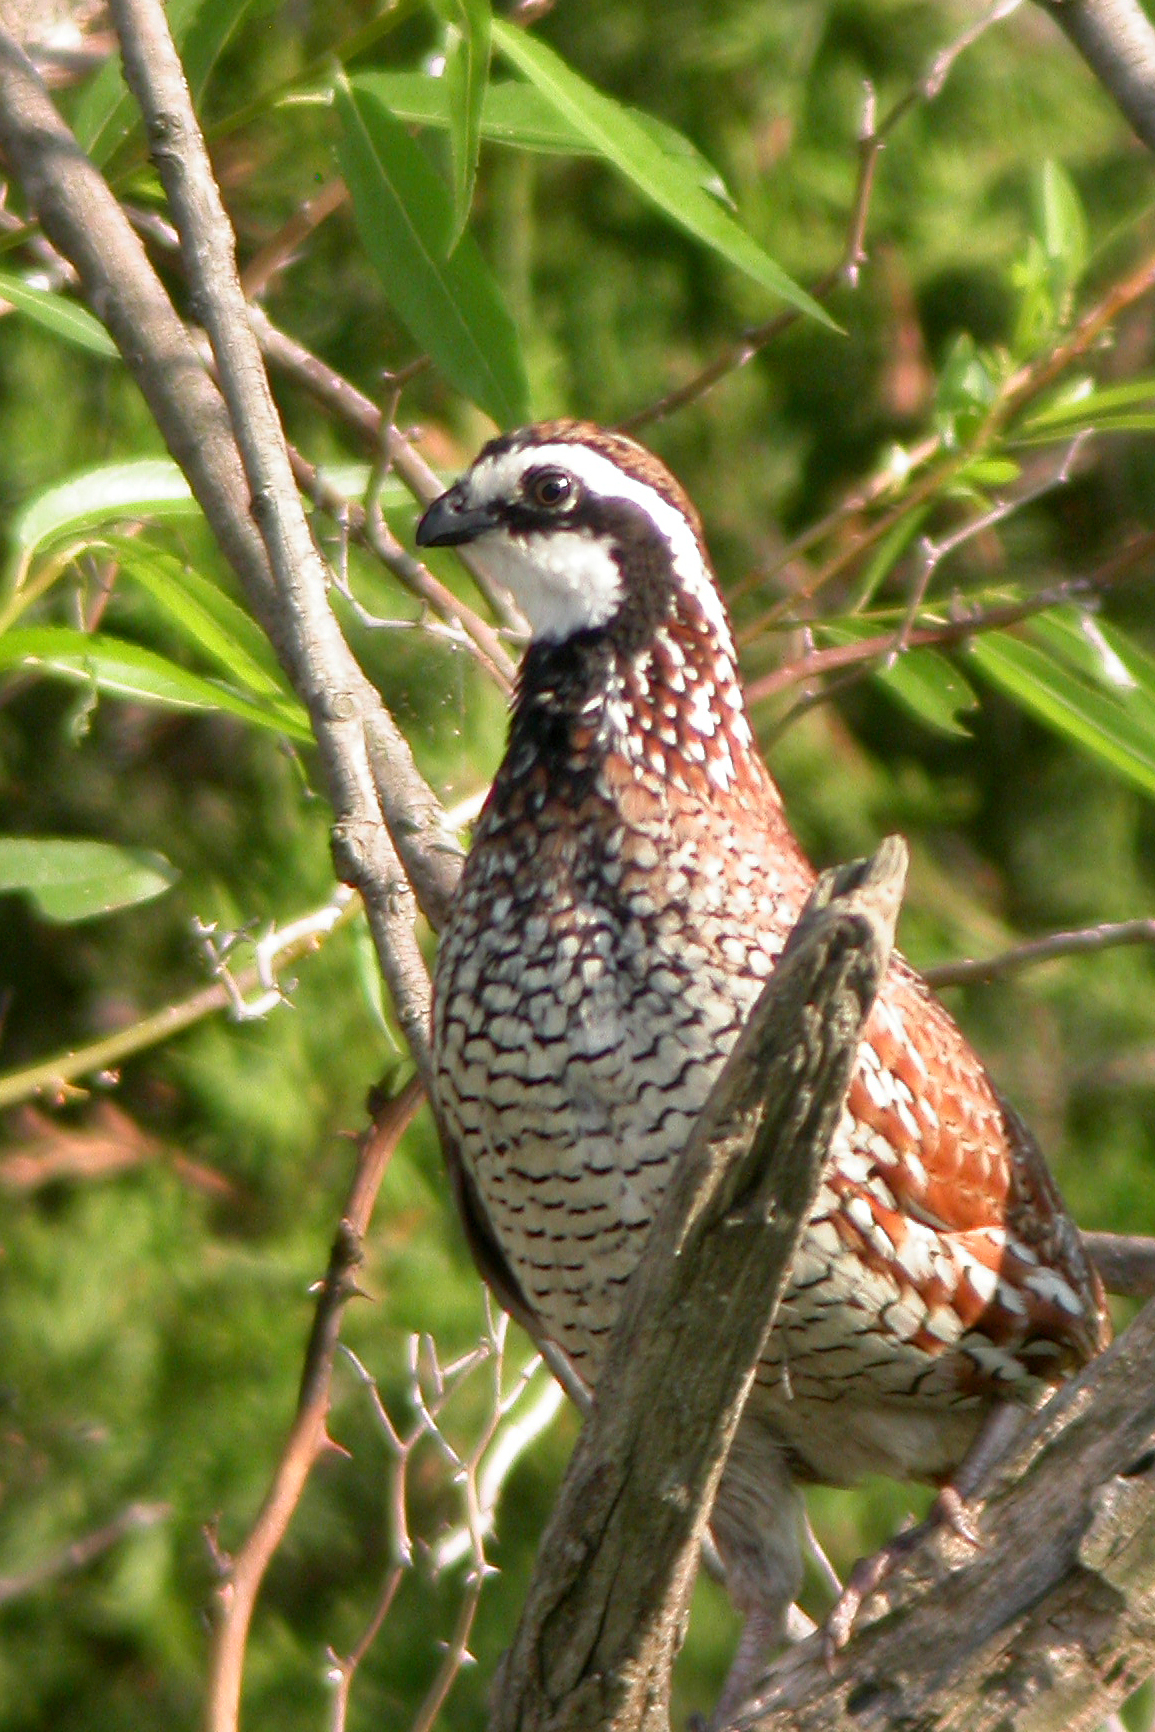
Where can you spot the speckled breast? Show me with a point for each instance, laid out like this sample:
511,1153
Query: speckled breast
591,980
607,941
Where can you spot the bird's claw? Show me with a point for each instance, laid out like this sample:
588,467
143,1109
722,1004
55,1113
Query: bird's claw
949,1510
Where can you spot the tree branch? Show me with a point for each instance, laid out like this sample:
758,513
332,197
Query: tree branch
606,1605
368,764
1086,941
1050,1623
1125,1261
1116,39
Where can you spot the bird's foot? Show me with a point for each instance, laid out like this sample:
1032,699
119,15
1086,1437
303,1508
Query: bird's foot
949,1510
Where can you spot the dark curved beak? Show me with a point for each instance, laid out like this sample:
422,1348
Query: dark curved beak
450,520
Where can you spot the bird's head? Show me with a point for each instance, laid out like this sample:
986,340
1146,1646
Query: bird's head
585,528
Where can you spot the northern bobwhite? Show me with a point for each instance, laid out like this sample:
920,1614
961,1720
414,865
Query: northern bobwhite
631,881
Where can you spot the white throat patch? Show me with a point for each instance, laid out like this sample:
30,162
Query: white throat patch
563,580
567,580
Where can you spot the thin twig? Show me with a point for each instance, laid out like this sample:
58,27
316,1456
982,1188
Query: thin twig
308,1437
370,530
1088,940
932,553
44,1152
267,264
78,1554
279,947
941,634
478,1473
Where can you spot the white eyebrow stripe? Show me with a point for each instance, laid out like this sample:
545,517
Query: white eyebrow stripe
497,477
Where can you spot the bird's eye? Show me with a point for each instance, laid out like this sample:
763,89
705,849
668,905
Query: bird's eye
551,488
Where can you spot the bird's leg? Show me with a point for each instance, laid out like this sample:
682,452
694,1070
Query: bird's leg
997,1432
756,1525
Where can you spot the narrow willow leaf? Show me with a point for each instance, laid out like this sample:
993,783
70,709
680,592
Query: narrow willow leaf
449,301
889,551
149,489
517,114
1108,726
56,313
70,880
1088,406
207,617
466,74
923,681
616,135
1063,228
126,670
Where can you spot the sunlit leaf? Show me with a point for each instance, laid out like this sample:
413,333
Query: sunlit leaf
1063,229
56,313
968,385
207,617
616,135
466,76
126,670
70,880
923,681
1110,726
150,489
449,301
1111,409
517,114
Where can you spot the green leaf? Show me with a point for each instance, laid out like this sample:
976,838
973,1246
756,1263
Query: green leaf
449,302
923,681
126,670
517,114
967,387
1062,229
150,488
207,617
1111,726
74,880
466,75
56,313
672,186
1090,407
889,551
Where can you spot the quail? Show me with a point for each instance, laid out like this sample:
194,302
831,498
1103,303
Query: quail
631,881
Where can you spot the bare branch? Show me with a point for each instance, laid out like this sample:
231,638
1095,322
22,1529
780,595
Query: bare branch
368,763
308,1438
77,1556
1049,1624
1125,1261
615,1568
1088,939
1116,39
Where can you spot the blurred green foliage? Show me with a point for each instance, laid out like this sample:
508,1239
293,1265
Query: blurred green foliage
154,1309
